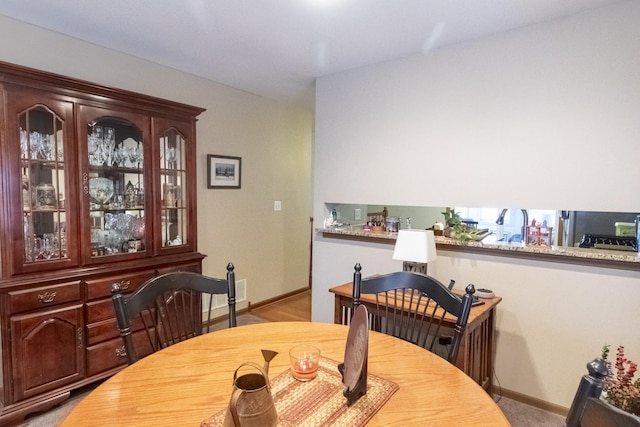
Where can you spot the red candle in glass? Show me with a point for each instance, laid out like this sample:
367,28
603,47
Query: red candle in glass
305,360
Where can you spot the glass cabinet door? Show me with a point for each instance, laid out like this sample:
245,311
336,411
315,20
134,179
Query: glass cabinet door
114,185
173,175
43,196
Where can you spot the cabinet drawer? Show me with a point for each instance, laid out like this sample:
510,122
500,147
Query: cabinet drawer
106,329
101,288
111,354
102,331
105,356
49,296
100,310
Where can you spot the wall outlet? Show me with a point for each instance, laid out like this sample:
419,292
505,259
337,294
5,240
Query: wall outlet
357,214
277,205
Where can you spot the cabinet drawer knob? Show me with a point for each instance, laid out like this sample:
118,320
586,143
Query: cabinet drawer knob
47,297
121,352
122,285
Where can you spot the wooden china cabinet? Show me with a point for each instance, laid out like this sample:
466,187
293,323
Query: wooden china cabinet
98,187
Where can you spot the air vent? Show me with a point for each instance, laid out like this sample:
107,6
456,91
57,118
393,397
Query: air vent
241,294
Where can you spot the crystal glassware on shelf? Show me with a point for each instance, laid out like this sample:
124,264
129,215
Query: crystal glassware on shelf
110,243
94,145
129,195
24,144
126,156
119,156
35,143
135,156
169,195
63,244
28,238
47,147
109,146
48,246
170,156
101,191
118,202
137,228
26,191
46,196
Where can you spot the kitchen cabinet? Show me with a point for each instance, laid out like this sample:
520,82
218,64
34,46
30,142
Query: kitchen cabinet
98,188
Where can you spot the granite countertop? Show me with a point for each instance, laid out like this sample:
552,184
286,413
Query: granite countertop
510,248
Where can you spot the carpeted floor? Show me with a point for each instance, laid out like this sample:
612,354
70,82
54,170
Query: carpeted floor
518,414
522,415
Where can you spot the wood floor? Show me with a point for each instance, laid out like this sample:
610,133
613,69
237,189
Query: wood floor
294,308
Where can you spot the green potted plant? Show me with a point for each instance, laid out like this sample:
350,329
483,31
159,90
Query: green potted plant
620,388
454,227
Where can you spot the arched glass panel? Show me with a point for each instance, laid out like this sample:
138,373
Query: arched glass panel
43,185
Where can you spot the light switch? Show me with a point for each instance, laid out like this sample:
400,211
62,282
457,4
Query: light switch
277,205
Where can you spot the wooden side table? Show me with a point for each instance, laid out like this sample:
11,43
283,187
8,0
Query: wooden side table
477,349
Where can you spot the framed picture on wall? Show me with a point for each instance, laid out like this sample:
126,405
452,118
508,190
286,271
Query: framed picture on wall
223,171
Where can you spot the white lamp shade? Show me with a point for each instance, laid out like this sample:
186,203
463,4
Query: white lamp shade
415,246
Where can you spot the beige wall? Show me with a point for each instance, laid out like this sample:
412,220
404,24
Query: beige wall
269,249
523,119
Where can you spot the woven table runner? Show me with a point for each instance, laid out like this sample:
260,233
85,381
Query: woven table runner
320,402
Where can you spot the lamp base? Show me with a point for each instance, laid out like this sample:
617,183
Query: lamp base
416,267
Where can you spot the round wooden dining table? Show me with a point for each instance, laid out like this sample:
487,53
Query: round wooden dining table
186,383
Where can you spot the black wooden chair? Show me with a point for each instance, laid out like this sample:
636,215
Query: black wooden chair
588,410
413,306
170,308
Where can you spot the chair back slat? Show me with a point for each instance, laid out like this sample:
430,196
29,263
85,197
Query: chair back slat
150,327
416,308
170,308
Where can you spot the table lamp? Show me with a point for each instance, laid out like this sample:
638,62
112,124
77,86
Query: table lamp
416,248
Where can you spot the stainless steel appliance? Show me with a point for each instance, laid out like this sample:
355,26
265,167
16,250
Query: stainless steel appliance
618,243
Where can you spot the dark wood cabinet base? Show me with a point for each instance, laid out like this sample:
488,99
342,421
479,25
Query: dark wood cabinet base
14,415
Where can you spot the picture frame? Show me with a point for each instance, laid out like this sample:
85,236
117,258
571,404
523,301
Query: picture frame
224,172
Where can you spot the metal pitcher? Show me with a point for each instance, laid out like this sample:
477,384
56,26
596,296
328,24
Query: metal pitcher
251,403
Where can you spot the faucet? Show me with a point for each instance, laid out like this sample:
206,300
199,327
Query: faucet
525,216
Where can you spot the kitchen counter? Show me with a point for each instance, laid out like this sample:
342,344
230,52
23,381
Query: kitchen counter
572,255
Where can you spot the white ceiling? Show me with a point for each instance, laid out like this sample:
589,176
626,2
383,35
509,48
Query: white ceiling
276,48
